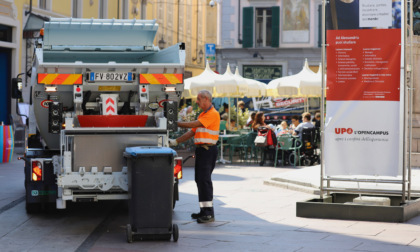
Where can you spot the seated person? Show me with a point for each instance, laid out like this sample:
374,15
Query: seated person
282,129
259,121
225,110
306,118
251,119
317,120
223,122
232,125
295,123
241,106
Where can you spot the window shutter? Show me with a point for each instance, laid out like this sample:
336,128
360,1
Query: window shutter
275,26
248,27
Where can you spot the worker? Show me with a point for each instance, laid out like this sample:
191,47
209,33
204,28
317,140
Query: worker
205,131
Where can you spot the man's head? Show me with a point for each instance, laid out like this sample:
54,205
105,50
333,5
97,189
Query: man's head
204,99
295,120
306,117
189,109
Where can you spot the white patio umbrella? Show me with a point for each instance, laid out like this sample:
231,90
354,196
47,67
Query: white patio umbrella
313,85
289,86
204,81
227,86
255,88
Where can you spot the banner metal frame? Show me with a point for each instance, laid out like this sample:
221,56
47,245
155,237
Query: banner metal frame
407,115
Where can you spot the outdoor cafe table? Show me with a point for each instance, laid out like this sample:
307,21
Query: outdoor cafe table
222,160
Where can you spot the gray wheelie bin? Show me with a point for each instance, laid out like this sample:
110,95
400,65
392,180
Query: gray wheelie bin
150,187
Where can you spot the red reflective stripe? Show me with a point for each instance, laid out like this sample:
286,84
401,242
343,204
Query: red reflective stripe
109,100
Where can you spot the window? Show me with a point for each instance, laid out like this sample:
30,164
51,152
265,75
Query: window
43,4
102,9
76,9
266,25
5,33
124,9
262,27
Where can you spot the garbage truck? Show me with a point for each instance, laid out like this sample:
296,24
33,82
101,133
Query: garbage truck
98,86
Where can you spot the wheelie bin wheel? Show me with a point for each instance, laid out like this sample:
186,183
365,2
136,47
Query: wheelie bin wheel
129,234
175,232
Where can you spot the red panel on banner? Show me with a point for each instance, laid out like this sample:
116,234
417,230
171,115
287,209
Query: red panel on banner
112,120
362,68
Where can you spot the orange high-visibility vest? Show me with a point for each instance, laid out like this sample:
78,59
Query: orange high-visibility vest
209,134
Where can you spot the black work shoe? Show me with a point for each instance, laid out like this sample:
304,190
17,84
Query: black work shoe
205,219
197,215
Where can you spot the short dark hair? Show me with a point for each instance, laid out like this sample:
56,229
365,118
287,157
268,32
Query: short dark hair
307,116
253,114
296,117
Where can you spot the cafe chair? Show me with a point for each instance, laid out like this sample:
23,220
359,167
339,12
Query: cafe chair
237,144
288,143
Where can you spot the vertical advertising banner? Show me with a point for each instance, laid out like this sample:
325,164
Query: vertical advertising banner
362,130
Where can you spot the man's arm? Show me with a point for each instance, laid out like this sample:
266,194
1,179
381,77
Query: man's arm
185,137
193,124
297,129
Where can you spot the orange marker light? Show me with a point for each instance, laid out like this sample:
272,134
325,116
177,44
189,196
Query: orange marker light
178,169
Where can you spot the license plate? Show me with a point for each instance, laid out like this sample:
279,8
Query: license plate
102,76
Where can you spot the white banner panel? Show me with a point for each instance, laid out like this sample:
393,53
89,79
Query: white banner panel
362,132
362,138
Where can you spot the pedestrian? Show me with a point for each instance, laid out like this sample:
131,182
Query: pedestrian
306,123
205,131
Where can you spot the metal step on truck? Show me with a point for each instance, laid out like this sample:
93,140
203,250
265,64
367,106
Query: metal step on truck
97,86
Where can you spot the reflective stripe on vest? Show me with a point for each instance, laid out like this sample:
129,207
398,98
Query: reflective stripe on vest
206,136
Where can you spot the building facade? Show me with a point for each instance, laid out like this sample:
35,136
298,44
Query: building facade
268,39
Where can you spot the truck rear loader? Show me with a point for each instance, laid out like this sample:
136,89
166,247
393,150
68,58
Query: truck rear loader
97,86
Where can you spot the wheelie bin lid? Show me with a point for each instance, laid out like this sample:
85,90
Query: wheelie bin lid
148,150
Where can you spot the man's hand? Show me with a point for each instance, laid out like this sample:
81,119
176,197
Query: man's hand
172,142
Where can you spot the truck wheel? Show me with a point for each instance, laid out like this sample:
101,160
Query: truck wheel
129,234
175,232
33,208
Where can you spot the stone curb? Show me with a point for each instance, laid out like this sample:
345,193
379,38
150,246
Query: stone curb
292,186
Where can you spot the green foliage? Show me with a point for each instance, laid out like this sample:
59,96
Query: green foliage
243,117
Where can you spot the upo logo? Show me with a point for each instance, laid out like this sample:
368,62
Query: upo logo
34,193
343,131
